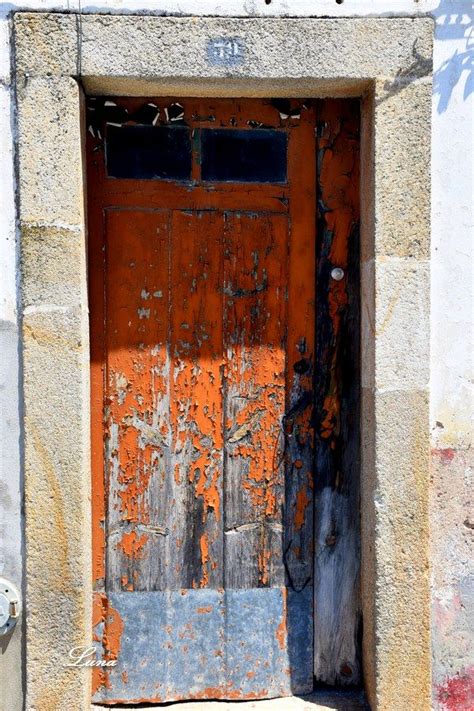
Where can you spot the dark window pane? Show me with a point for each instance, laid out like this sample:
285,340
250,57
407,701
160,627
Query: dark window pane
243,156
149,152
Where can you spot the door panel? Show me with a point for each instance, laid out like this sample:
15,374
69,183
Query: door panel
196,341
208,643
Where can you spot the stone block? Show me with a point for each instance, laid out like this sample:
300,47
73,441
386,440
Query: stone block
53,267
401,325
46,44
50,151
402,153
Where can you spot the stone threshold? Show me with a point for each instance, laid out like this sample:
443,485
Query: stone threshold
318,701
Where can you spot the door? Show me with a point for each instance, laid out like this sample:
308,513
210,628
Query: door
202,263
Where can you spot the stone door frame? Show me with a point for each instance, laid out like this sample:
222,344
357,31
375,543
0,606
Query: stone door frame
386,62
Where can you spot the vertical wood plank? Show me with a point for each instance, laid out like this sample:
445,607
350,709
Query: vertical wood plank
297,426
337,536
255,263
136,403
96,264
196,506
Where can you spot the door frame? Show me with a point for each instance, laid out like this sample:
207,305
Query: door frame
58,58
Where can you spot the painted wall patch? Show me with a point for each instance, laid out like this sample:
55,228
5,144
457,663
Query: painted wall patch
225,51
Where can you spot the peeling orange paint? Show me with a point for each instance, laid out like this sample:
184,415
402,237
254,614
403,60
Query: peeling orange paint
204,545
99,611
281,632
263,564
108,628
302,502
112,633
132,545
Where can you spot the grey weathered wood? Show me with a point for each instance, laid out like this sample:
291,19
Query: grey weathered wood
337,511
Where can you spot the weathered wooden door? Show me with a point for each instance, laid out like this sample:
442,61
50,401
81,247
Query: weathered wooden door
202,262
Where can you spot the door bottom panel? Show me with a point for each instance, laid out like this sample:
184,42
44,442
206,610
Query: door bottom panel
232,644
